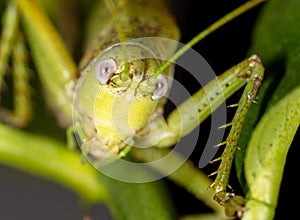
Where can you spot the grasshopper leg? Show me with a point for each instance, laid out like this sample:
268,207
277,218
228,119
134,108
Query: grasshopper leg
13,46
200,105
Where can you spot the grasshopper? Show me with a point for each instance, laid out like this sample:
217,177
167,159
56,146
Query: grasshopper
136,88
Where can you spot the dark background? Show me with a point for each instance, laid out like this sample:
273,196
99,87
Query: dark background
23,196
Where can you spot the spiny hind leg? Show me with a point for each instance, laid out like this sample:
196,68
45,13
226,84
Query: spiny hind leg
201,104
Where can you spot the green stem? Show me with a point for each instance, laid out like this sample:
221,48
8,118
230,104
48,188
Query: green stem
50,159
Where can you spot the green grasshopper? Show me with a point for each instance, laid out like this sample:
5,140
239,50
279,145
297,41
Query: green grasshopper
137,87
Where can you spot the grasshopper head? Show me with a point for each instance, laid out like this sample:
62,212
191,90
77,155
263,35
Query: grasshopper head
116,97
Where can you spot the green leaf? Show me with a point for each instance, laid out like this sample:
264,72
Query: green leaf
147,201
266,155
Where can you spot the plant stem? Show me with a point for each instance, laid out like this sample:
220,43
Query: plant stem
50,159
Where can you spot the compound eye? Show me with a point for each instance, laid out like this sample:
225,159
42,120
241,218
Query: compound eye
161,87
104,70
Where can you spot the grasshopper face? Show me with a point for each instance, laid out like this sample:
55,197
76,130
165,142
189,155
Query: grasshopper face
115,99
